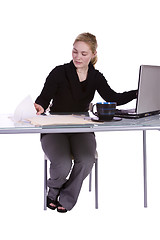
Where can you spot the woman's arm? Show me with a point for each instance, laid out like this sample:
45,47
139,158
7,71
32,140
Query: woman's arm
110,95
48,92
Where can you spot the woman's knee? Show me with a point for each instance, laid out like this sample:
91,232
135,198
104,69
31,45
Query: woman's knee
57,149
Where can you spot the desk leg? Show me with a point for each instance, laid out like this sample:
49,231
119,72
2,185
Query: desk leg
145,168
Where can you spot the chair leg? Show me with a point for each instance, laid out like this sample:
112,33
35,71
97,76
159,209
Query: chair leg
45,183
96,184
90,181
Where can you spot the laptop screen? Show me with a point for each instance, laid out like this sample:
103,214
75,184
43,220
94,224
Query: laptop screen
148,100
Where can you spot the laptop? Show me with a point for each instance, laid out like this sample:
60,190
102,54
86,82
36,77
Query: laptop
148,99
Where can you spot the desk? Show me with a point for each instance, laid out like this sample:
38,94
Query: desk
148,123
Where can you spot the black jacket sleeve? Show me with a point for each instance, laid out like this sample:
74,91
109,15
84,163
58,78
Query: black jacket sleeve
49,90
109,95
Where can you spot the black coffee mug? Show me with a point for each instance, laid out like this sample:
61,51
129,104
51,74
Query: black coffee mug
105,110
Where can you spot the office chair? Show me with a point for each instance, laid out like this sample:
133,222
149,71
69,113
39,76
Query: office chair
90,181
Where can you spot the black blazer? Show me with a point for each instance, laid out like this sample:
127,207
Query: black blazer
70,95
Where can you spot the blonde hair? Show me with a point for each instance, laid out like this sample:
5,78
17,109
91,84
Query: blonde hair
91,40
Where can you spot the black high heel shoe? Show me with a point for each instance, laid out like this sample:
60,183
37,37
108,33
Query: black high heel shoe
61,210
54,202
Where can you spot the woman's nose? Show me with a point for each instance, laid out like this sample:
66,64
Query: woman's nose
78,56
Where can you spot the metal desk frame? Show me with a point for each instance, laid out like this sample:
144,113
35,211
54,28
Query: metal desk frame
144,124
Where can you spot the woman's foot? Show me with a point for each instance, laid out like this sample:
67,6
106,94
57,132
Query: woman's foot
61,209
52,204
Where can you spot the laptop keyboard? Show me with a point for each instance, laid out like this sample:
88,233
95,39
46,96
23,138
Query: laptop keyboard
125,111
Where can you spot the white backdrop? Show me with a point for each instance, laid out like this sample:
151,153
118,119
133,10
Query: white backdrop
35,37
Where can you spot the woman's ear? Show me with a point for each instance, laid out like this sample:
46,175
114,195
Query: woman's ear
95,54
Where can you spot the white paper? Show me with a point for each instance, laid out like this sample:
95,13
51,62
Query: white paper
24,110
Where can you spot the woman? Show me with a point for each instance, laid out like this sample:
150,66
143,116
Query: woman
72,87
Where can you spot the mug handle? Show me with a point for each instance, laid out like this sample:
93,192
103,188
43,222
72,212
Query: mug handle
92,110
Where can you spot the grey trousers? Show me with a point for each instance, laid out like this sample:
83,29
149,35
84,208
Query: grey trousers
61,149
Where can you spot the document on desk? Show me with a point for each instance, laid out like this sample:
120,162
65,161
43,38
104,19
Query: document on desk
24,110
60,120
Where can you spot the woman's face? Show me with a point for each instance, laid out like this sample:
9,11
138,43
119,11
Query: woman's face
81,54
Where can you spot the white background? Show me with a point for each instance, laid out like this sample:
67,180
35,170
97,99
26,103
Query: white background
35,37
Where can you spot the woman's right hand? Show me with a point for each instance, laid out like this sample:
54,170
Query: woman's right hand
39,109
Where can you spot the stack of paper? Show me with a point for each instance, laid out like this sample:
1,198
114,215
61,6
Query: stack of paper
59,120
